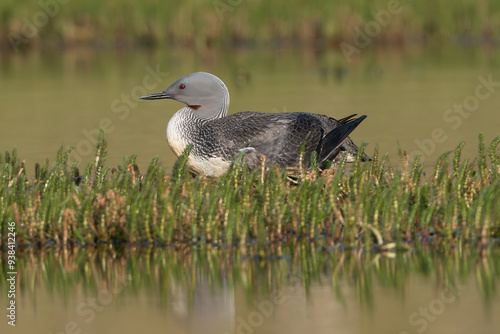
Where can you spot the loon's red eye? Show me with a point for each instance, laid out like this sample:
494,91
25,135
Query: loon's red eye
182,86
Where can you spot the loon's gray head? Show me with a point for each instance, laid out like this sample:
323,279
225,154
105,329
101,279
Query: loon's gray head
200,91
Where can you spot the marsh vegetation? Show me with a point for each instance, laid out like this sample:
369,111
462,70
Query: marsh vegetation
368,205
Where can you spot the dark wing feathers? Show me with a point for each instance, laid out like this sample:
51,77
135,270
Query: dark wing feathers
347,119
335,138
280,136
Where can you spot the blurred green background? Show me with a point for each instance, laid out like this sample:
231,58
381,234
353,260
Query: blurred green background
200,24
67,66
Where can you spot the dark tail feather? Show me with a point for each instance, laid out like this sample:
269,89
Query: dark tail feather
334,138
346,119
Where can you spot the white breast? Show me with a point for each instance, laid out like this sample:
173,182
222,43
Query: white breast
178,137
213,167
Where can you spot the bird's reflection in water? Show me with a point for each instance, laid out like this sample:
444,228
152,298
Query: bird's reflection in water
204,306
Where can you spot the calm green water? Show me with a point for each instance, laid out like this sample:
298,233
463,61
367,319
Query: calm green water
51,100
295,290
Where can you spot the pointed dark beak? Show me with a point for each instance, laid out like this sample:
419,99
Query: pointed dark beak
156,96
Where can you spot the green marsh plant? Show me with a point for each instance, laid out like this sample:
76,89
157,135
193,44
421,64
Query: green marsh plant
370,205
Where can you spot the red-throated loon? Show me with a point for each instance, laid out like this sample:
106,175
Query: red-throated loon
217,138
